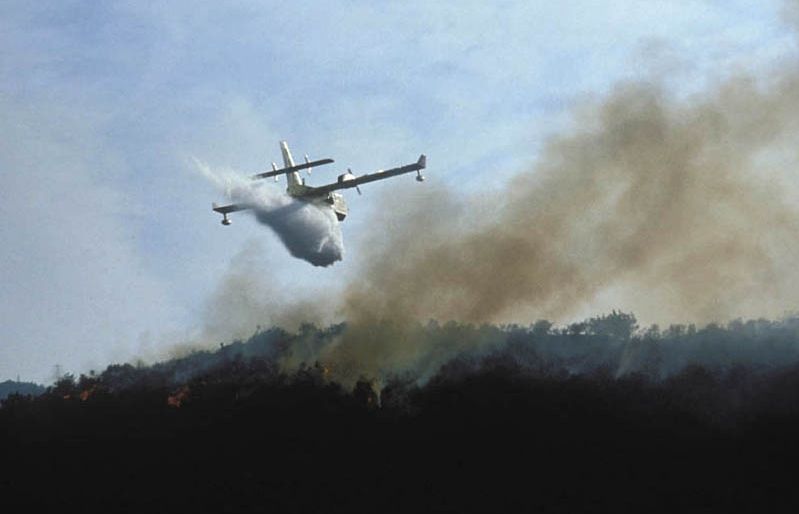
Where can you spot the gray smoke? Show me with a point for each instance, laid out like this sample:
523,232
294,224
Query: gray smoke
681,210
676,210
309,231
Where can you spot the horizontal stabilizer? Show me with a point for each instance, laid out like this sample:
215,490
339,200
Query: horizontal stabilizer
291,169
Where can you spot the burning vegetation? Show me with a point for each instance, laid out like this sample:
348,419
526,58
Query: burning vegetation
591,416
683,206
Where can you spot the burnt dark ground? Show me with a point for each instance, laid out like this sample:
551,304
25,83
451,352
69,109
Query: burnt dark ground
485,434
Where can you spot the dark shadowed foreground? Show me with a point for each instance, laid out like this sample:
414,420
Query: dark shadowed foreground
543,419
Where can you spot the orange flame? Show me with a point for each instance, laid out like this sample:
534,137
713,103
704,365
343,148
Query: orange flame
176,399
87,393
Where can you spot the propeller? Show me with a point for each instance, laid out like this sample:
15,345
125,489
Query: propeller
349,170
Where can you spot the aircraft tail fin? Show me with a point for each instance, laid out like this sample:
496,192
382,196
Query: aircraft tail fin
288,160
293,178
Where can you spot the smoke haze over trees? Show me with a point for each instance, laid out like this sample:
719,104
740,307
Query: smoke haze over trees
679,207
542,417
436,389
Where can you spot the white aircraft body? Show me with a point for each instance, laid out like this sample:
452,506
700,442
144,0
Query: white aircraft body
326,194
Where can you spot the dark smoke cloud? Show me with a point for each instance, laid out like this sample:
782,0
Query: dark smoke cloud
677,210
679,200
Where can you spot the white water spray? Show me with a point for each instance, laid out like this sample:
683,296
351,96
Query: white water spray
309,231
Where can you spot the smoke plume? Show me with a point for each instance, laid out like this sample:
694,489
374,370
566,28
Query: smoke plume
680,210
309,231
686,201
677,209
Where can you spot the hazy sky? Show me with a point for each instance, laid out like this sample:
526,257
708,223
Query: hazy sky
109,247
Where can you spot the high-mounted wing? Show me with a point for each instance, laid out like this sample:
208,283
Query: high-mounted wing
291,169
348,180
227,209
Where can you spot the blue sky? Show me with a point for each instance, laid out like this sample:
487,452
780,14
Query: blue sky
109,247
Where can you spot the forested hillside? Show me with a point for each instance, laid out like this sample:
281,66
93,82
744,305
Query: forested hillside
593,417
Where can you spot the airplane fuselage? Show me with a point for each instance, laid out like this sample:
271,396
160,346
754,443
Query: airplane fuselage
297,189
324,196
331,200
336,201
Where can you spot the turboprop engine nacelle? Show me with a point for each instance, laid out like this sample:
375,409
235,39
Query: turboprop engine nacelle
344,177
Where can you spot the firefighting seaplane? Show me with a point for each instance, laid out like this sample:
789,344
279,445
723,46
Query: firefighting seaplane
323,195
